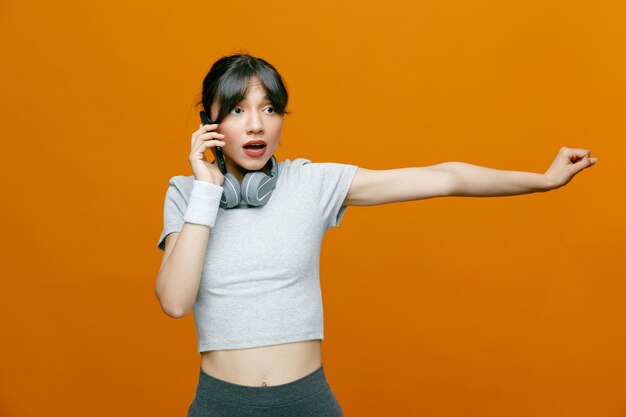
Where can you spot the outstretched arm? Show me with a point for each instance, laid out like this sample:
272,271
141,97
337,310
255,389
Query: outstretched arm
374,187
478,181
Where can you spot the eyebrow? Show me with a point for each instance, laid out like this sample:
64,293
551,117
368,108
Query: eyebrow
265,97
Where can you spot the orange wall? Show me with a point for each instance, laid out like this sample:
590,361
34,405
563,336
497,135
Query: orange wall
509,306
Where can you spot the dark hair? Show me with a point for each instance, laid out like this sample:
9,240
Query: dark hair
227,81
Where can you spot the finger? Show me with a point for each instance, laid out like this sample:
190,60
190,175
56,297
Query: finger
200,130
211,135
585,162
580,153
194,136
213,143
203,146
589,161
199,138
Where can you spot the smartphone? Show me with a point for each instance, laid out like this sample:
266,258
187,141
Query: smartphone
218,150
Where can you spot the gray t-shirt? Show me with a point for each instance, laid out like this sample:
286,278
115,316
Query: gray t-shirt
260,280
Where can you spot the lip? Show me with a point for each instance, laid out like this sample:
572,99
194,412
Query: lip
256,141
255,153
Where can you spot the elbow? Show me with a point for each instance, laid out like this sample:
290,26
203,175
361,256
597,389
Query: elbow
171,308
174,311
449,184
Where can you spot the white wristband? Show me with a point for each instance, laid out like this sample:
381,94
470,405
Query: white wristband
203,203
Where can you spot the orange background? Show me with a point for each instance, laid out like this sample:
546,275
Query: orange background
507,306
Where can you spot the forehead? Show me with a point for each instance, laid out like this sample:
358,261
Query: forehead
265,97
255,88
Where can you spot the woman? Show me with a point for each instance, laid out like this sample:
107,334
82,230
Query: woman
241,245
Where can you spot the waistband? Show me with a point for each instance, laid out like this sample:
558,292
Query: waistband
210,387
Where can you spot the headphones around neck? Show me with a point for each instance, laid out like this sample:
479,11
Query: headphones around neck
255,189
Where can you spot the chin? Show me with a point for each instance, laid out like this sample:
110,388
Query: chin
255,165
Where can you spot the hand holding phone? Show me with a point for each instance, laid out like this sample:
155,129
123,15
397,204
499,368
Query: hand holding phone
202,139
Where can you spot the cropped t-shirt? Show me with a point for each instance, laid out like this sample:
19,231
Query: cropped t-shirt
260,280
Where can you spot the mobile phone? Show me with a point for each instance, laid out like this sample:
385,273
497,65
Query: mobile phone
218,150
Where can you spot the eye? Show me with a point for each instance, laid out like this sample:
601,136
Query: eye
238,108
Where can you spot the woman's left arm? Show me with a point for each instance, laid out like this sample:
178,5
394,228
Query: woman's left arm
478,181
372,187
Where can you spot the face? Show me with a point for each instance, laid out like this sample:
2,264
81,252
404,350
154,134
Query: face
252,119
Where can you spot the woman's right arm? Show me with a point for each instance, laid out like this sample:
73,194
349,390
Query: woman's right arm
179,276
180,272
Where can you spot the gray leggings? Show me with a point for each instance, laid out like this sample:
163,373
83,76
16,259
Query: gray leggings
308,396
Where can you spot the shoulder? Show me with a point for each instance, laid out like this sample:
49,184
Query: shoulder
291,165
289,168
307,165
320,174
324,169
182,183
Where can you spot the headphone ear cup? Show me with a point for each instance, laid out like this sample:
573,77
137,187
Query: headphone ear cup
231,197
256,188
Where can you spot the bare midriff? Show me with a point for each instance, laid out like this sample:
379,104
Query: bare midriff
265,365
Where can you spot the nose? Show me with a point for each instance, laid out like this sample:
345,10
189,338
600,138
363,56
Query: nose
255,122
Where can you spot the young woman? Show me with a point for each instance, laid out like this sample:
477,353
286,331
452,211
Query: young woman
241,245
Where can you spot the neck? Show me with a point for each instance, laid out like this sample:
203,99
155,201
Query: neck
240,172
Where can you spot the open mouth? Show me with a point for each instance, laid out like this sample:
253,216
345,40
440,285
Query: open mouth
255,146
255,150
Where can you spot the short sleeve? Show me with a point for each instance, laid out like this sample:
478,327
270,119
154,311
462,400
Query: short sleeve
331,181
173,211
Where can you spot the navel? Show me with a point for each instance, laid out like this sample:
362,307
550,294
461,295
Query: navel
264,383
